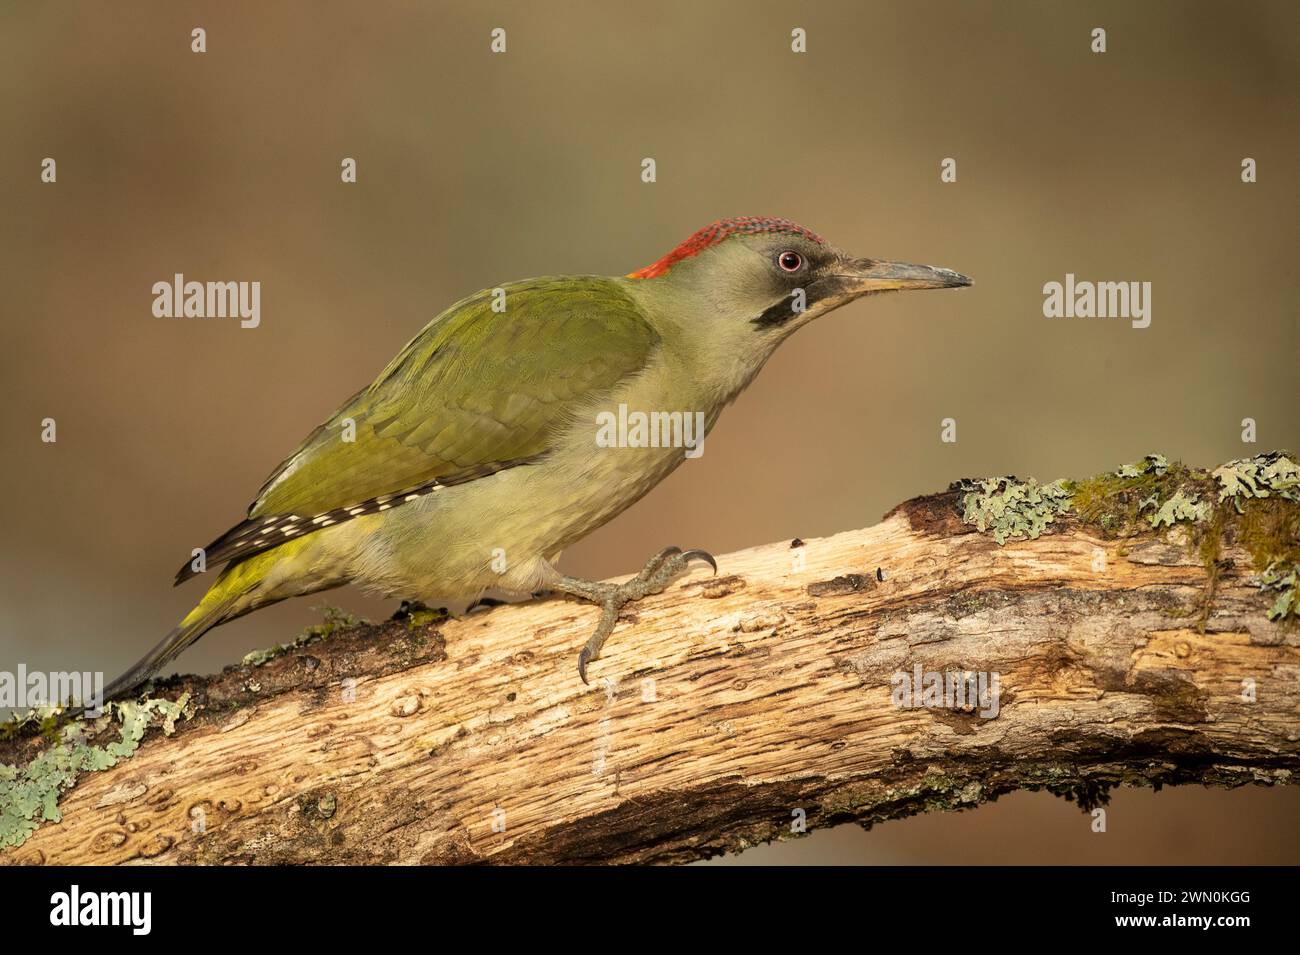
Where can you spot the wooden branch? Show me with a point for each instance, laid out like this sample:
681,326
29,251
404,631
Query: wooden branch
724,710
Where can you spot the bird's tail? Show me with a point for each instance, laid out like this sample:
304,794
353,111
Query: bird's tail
172,645
235,592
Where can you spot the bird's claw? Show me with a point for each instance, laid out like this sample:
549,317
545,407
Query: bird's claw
659,571
703,555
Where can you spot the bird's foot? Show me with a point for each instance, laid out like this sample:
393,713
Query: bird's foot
416,614
660,571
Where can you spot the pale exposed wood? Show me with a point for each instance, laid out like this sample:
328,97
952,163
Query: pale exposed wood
770,694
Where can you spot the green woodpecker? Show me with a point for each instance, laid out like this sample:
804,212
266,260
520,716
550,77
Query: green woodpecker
475,457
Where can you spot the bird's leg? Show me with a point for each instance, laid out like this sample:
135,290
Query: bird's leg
660,571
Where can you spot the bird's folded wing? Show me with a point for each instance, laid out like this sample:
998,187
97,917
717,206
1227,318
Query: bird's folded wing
477,391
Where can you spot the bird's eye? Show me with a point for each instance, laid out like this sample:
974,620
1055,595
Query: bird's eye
789,261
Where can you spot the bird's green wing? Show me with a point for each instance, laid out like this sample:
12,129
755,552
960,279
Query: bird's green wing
477,391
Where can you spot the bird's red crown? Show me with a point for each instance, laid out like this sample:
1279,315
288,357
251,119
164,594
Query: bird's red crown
711,235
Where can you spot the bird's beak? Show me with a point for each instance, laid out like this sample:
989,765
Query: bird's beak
861,276
852,278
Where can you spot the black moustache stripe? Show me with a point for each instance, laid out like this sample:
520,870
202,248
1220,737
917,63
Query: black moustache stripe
780,313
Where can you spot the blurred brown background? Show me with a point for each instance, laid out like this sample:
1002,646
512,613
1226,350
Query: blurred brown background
477,168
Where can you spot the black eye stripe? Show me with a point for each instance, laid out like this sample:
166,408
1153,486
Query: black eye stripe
816,286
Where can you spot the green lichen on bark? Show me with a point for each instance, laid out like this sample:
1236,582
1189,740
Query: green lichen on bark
1156,464
1251,502
1266,475
1259,498
1138,496
1180,507
1282,581
1010,508
29,795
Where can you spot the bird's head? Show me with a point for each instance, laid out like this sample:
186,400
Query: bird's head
758,279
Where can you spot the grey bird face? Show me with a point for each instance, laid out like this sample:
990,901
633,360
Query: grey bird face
738,288
795,280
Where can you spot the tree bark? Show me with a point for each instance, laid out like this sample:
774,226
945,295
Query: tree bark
727,711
